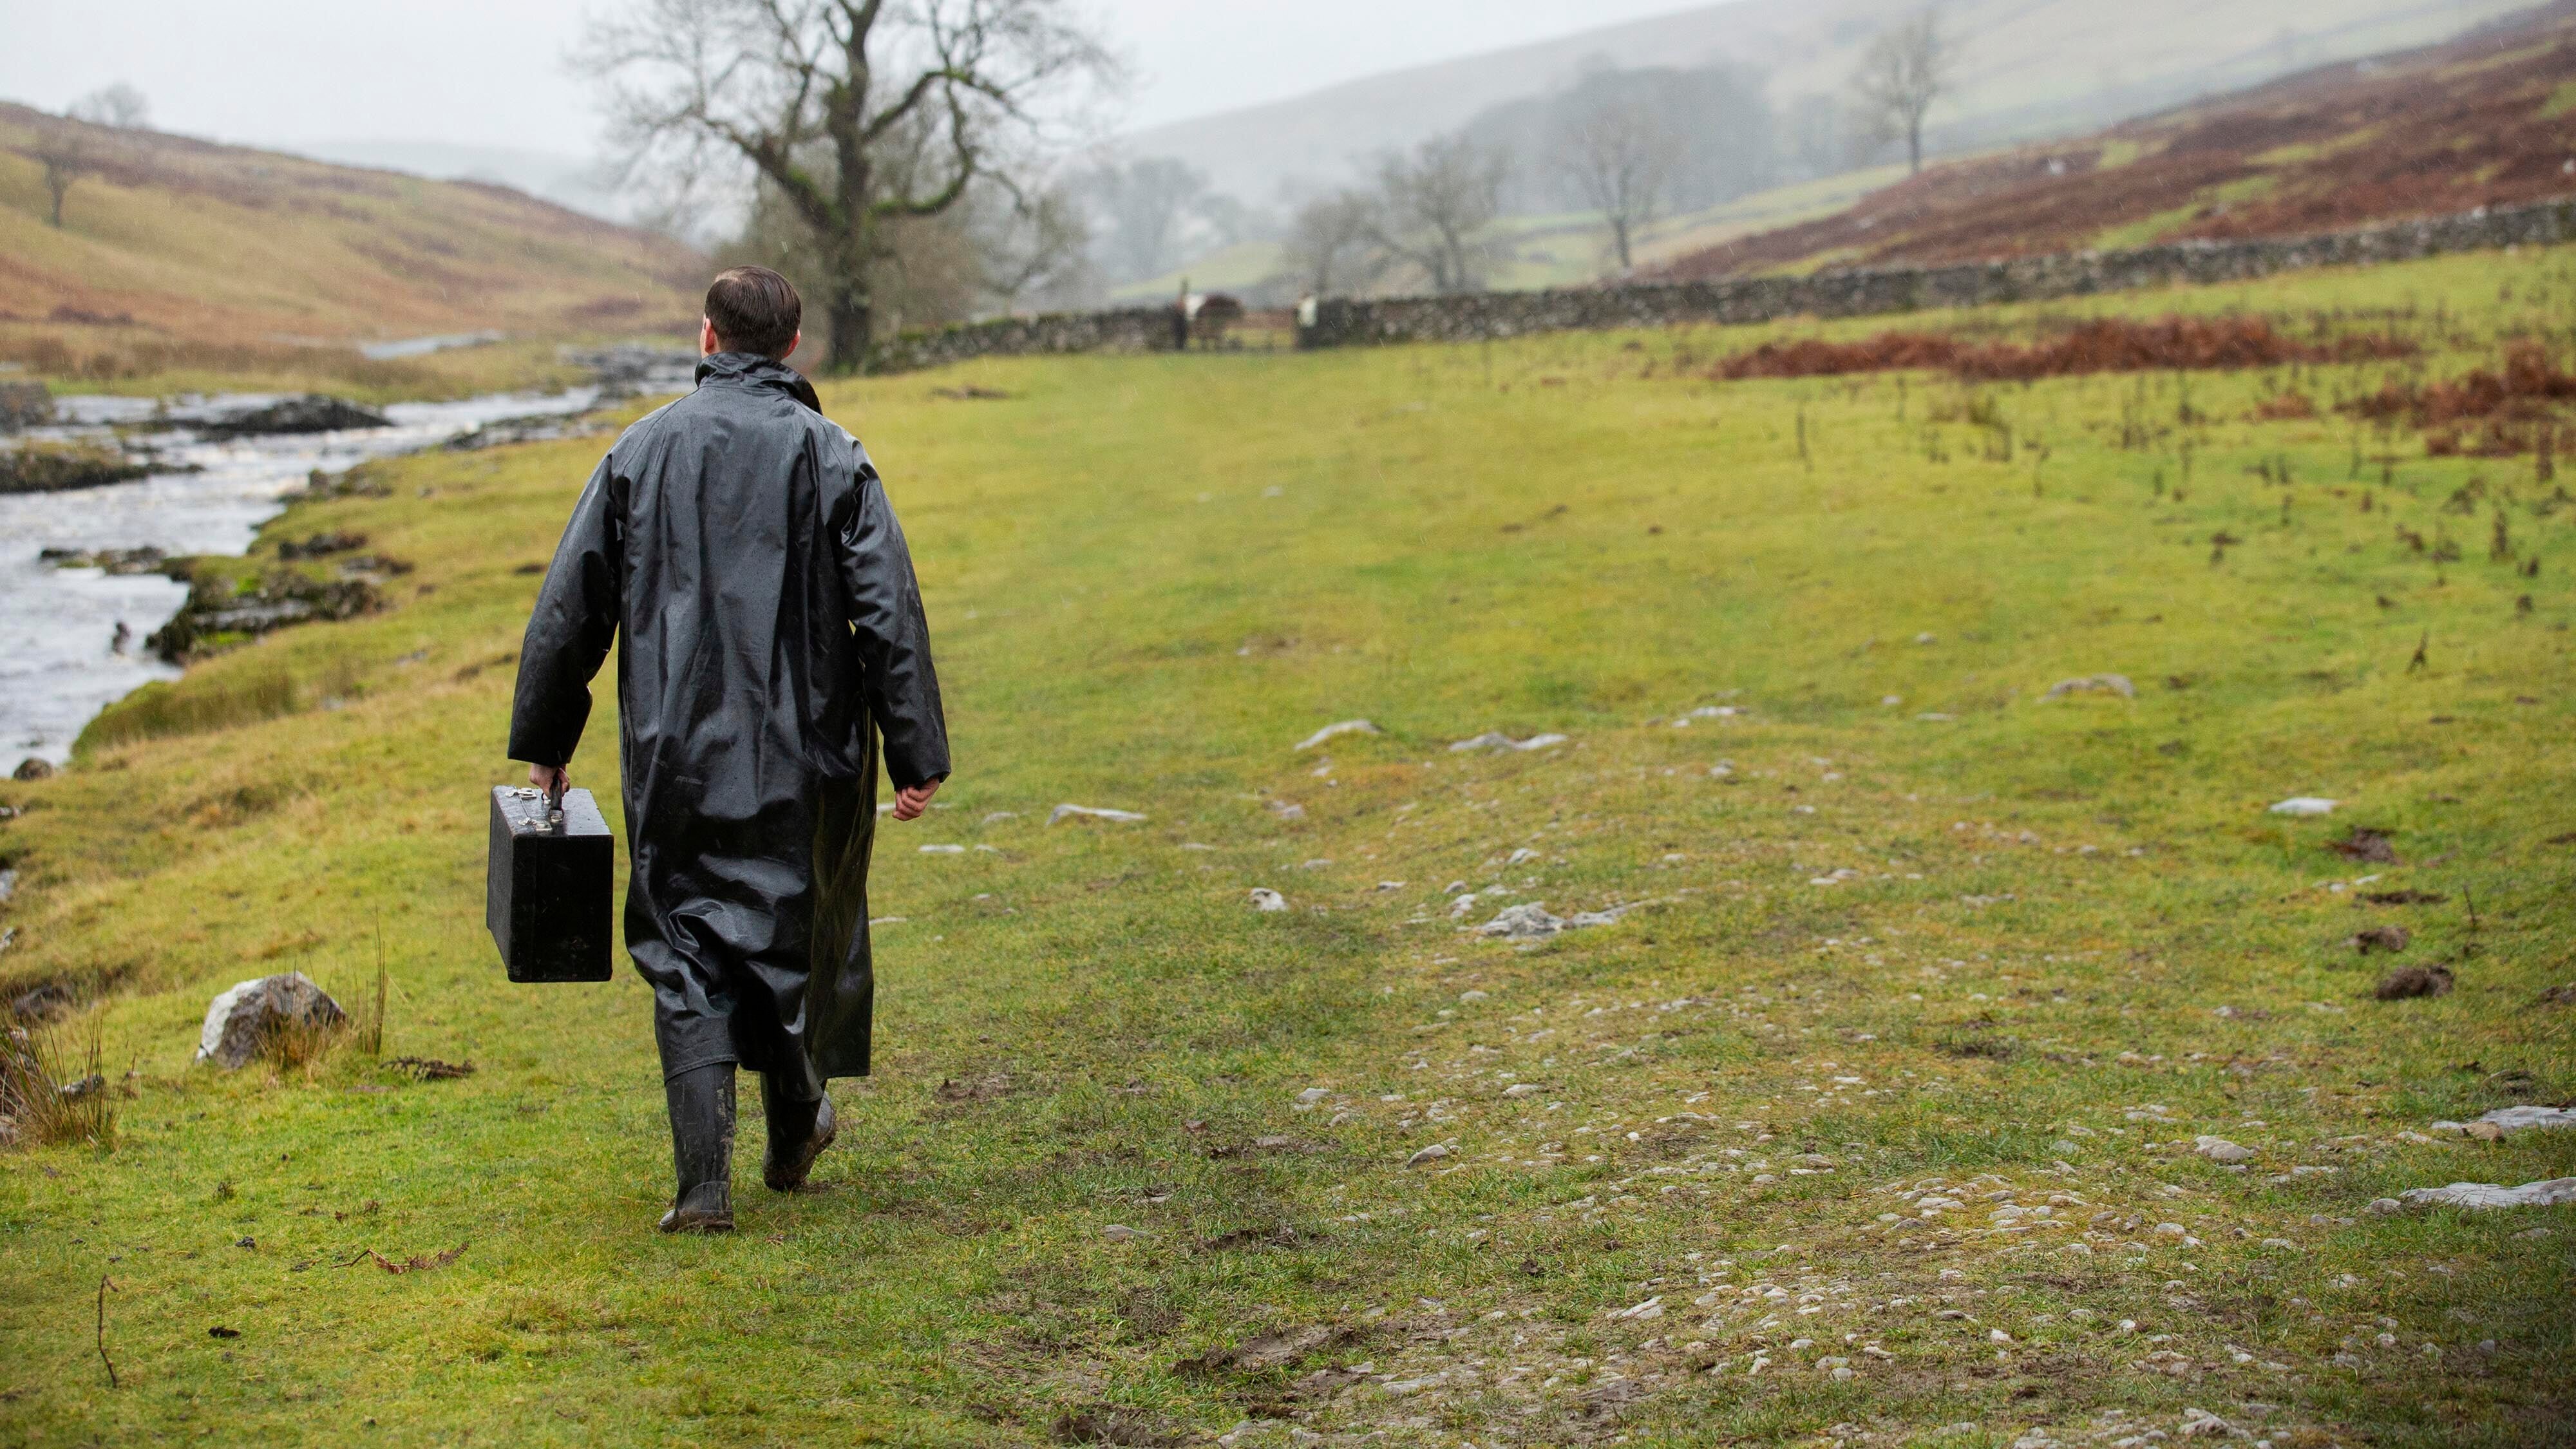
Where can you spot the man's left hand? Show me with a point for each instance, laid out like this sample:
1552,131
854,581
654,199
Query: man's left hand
908,804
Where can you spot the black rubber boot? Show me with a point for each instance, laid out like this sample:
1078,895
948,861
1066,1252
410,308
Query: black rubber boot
701,1102
798,1133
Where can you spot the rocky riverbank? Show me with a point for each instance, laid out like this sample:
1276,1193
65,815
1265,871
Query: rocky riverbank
60,467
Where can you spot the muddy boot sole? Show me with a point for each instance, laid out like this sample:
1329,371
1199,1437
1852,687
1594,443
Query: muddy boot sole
788,1173
677,1221
706,1209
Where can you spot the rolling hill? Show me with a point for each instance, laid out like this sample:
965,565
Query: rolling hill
2488,119
188,242
2029,69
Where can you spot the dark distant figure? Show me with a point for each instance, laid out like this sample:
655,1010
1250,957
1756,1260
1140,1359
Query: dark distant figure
123,637
772,630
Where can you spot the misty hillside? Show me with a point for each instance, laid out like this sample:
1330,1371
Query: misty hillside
188,239
2485,120
2031,68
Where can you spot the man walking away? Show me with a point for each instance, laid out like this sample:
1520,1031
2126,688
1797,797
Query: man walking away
741,544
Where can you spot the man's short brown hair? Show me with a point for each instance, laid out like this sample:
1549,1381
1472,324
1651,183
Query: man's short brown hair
754,309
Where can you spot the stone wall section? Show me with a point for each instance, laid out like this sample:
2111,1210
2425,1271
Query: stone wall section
1130,329
1353,322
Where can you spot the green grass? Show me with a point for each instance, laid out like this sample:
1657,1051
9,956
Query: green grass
2067,937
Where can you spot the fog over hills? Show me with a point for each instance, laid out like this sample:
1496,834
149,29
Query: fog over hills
566,180
2030,68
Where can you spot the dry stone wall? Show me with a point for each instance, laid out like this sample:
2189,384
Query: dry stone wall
1858,293
1349,322
1131,329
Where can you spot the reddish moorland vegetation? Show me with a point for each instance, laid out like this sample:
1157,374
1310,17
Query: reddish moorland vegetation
2479,413
2108,344
2476,122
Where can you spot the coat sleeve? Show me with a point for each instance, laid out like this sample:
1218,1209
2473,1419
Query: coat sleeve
892,633
569,634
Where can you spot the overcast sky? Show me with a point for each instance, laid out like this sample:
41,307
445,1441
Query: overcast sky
489,72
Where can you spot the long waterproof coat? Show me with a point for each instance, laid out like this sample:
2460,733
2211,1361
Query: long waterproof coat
772,630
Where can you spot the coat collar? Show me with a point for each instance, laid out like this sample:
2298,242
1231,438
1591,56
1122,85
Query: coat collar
754,370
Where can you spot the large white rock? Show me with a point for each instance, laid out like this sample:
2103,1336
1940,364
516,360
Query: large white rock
2556,1192
240,1021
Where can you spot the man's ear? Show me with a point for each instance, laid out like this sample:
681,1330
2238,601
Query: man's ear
792,344
708,346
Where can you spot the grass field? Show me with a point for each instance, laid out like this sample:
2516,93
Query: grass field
1896,933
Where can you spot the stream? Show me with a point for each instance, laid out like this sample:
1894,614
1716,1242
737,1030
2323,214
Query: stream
62,657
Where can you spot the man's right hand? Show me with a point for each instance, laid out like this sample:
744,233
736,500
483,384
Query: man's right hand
549,778
908,804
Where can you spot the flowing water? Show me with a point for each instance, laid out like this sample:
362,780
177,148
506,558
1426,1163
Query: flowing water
62,658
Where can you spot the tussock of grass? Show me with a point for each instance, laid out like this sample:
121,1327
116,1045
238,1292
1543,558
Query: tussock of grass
1885,981
162,710
53,1088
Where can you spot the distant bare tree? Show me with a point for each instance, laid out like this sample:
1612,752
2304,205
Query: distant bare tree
1329,243
856,114
1908,67
1434,206
120,106
66,152
1619,151
73,147
1144,203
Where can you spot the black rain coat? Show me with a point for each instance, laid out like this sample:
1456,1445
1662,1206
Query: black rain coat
741,544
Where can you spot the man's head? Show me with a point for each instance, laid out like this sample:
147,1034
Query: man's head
752,309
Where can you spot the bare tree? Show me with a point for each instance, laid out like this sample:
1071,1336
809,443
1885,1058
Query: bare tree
1144,204
856,114
1434,206
66,152
1329,242
1907,68
72,147
119,106
1619,150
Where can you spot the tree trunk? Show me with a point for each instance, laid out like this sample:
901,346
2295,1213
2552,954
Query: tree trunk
1619,236
850,309
1914,146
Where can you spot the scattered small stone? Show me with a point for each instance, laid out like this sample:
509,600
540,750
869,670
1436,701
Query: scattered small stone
998,816
1523,1089
32,768
1266,899
2387,1207
2219,1149
1092,812
1497,740
2306,805
1120,1233
1432,1153
1336,731
943,850
2381,938
2094,684
2411,981
2202,1424
1287,810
